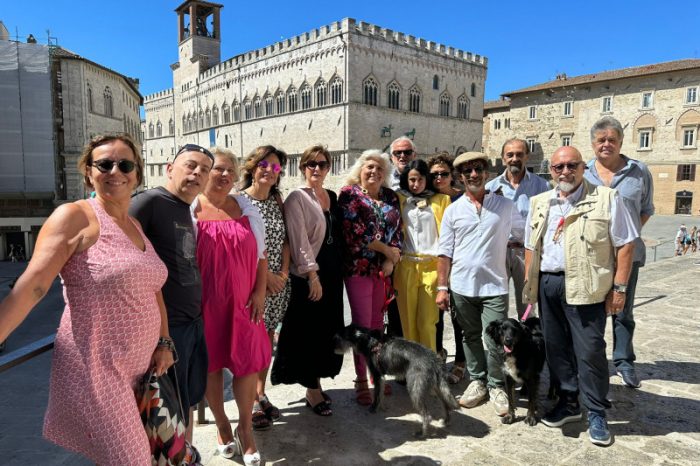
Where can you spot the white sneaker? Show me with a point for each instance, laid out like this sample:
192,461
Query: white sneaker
474,395
500,400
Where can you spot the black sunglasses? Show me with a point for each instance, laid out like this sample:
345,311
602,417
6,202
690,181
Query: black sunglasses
322,165
571,166
468,170
440,174
193,148
399,153
106,165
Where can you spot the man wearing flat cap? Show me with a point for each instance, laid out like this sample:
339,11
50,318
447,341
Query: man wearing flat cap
472,262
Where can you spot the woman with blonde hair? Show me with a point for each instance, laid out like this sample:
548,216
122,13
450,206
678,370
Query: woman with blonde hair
372,233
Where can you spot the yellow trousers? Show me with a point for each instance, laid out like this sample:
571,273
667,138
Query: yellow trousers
415,283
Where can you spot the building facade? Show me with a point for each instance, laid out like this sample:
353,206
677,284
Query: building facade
658,106
349,86
54,101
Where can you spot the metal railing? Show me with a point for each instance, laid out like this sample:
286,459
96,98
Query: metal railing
25,353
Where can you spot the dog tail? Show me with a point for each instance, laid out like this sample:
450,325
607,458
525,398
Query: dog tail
445,394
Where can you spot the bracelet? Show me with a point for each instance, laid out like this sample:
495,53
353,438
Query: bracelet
312,280
443,288
169,344
283,275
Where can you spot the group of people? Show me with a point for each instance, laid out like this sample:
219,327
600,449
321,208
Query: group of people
686,240
198,274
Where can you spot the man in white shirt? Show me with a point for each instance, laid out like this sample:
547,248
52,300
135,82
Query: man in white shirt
472,259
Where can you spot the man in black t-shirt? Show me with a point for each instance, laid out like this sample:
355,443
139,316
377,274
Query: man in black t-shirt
164,214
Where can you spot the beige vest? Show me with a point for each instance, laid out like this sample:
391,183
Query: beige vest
589,254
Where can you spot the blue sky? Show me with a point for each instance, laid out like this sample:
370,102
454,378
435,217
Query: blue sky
526,42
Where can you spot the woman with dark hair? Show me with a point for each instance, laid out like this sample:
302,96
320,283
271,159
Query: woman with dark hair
114,326
416,274
305,350
443,181
261,180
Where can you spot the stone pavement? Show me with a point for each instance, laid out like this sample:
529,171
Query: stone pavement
657,424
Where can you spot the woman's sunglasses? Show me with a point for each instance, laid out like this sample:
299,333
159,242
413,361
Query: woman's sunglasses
106,165
276,167
322,165
440,174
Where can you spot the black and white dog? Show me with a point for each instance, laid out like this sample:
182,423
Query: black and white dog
421,368
523,344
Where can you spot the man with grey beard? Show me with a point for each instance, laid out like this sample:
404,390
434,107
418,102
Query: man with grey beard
519,185
579,244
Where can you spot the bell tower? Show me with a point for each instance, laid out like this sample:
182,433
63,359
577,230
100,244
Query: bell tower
199,34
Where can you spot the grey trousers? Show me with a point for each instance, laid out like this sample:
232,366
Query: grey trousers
515,266
623,326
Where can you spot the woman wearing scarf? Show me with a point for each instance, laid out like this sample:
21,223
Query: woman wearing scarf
415,277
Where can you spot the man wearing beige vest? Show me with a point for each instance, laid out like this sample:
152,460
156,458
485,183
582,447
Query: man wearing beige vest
578,256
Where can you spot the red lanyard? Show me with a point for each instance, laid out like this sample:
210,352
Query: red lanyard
389,293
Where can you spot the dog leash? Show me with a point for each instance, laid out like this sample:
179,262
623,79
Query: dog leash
526,313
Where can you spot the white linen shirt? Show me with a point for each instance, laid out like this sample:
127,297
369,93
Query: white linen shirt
476,243
421,229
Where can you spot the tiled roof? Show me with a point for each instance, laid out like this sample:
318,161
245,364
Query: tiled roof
493,104
564,81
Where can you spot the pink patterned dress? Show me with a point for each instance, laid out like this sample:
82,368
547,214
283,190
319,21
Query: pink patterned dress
108,331
227,258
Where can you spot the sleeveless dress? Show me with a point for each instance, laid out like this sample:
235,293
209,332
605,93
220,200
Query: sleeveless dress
305,350
108,332
227,258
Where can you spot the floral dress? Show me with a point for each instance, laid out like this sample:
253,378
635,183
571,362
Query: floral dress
275,234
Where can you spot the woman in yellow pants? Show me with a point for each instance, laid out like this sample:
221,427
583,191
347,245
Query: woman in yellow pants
415,277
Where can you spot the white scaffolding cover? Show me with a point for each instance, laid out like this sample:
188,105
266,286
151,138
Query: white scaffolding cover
26,132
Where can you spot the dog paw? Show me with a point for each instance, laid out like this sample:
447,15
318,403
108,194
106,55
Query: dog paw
508,419
530,420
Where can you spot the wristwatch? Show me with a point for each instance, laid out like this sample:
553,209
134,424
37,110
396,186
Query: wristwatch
443,288
619,288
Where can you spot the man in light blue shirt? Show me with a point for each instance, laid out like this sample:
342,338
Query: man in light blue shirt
632,179
519,185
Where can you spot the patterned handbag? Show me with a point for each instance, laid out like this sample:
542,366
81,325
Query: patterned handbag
161,411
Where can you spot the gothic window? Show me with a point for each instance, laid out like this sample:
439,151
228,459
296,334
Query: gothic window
236,112
151,133
89,99
184,124
393,95
215,115
321,93
473,90
247,110
226,110
125,123
171,127
292,99
109,109
436,82
336,90
190,122
207,118
280,102
414,96
463,107
269,105
201,119
257,108
305,97
159,129
370,91
445,104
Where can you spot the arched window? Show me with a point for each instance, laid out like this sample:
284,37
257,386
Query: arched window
247,110
292,99
269,104
171,127
414,96
124,120
226,110
473,90
280,98
207,118
321,93
445,100
201,119
305,97
215,115
336,90
151,132
393,94
191,121
463,107
159,129
257,108
236,111
91,108
184,124
109,109
436,82
369,87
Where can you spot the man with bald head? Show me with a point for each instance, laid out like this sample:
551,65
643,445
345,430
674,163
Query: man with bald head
579,244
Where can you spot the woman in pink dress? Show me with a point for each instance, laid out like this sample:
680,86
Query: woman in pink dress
231,258
114,325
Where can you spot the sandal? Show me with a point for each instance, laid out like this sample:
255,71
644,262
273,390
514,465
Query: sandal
322,408
227,450
326,398
260,419
362,394
270,410
456,374
192,456
252,459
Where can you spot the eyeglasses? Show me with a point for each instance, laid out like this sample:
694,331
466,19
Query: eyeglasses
322,165
276,167
468,170
440,174
399,153
559,168
193,148
106,165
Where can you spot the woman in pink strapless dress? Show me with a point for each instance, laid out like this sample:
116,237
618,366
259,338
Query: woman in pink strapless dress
110,328
230,254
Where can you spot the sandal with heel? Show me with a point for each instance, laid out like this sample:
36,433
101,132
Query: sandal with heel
252,459
227,450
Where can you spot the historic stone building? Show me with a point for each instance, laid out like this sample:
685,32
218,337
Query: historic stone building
658,106
348,85
53,102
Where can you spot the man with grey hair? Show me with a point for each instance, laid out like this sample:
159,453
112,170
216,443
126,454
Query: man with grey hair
519,185
632,179
402,151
